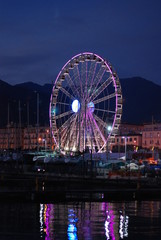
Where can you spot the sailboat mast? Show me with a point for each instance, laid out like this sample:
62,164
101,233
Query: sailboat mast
37,122
28,122
20,138
8,130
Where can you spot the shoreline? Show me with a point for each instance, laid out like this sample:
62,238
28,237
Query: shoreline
51,188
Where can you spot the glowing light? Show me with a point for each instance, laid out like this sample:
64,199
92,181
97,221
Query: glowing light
123,230
72,229
75,106
91,106
41,218
74,149
109,225
109,128
53,110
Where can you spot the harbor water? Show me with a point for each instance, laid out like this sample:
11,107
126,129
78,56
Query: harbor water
81,220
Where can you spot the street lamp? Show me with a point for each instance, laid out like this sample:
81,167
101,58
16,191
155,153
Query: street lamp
109,129
44,140
125,146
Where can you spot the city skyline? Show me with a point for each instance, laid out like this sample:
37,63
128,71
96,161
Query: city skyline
38,38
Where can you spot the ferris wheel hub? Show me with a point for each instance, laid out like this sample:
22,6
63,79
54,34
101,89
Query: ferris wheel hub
75,106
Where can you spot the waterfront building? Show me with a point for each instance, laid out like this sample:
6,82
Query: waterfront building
11,138
37,138
129,135
126,129
132,142
151,136
30,138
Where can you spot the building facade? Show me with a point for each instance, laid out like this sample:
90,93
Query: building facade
37,138
11,138
30,138
33,138
151,136
126,129
132,142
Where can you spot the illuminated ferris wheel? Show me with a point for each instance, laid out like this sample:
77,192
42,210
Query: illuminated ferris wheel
86,104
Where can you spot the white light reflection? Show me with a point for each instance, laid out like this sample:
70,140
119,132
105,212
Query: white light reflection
123,228
41,220
109,228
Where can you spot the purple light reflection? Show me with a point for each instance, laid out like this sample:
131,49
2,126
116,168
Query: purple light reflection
47,221
109,224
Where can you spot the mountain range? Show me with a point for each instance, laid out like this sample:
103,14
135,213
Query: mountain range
141,101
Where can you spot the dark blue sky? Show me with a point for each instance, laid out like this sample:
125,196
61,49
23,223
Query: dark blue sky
37,37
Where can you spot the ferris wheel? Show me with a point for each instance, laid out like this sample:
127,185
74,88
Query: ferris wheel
86,104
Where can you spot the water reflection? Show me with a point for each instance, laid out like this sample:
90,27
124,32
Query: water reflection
72,229
41,220
124,221
110,221
83,221
109,225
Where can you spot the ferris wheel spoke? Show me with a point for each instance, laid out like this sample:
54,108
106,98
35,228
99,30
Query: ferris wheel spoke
83,77
67,138
80,137
67,122
94,133
86,83
66,129
64,135
101,88
91,75
99,76
67,93
105,98
77,73
63,103
98,79
73,124
72,85
98,119
104,110
98,129
63,114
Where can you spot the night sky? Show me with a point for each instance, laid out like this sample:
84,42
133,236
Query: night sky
37,37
